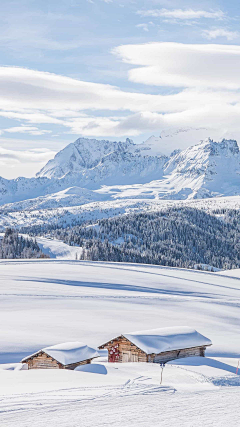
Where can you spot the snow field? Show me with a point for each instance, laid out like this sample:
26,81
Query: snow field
46,302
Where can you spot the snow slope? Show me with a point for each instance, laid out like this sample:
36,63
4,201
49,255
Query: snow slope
57,249
45,302
232,273
82,297
73,196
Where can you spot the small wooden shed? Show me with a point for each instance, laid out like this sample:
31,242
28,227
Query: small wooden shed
61,356
157,345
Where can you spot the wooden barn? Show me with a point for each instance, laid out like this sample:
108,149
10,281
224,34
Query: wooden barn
157,345
61,356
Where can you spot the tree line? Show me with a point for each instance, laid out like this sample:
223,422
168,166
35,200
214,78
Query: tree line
177,237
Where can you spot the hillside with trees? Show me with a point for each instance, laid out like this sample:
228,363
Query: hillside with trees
178,237
13,246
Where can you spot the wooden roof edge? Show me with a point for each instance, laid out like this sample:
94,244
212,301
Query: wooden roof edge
139,348
120,336
25,359
36,354
108,342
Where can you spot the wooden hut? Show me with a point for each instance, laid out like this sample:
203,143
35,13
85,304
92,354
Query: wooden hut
157,345
61,356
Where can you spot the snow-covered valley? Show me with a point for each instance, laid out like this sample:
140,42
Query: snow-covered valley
45,302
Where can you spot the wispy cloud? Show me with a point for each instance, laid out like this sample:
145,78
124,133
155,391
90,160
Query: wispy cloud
31,130
145,26
220,32
182,14
40,31
27,155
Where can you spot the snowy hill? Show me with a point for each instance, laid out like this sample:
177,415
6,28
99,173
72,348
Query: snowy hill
48,302
73,196
183,295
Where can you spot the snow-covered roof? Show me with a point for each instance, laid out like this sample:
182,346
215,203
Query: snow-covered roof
69,352
167,339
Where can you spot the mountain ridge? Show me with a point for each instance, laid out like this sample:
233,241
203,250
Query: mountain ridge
127,170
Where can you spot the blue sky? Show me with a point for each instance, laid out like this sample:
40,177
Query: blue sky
113,69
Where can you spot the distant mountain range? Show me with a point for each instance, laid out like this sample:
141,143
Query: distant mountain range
96,170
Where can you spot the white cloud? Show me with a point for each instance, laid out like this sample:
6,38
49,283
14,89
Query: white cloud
220,32
23,89
182,14
31,117
214,118
204,75
144,27
14,162
31,130
183,65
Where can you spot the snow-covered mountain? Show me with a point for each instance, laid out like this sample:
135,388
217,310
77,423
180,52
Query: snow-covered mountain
106,170
94,162
87,163
207,169
81,155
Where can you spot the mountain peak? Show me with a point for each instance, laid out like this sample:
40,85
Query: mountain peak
93,161
84,153
225,146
